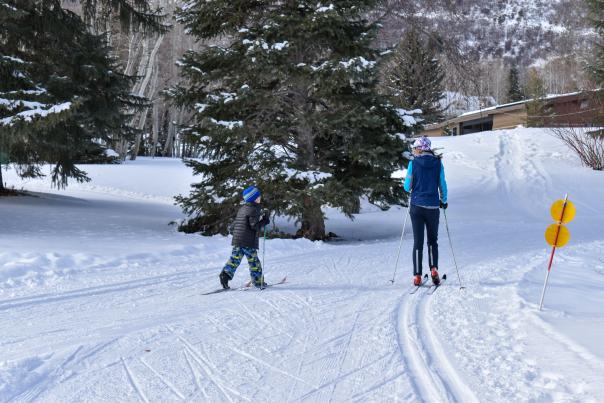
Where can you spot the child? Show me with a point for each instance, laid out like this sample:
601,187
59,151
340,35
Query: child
426,182
249,221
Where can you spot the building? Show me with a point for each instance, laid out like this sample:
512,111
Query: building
575,109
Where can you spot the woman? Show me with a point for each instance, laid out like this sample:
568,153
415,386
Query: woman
426,182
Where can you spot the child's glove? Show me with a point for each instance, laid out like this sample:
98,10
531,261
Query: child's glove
444,205
264,218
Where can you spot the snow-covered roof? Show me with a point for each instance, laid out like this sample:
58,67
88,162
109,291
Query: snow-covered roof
512,104
483,112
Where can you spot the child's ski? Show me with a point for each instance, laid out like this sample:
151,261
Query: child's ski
244,287
248,285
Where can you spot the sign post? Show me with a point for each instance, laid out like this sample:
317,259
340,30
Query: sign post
557,235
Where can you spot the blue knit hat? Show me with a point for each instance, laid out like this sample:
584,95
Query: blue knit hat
251,193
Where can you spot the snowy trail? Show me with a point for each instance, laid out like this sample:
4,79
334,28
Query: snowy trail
101,300
81,307
428,384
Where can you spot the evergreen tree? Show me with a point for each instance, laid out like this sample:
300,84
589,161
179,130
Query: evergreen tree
536,108
415,78
515,92
596,67
289,104
61,92
596,15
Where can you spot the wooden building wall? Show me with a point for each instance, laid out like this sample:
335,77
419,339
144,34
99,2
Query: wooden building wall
576,111
509,119
438,132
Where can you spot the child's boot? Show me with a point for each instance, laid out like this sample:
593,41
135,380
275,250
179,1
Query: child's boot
224,279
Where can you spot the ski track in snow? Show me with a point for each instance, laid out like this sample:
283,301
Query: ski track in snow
133,326
432,375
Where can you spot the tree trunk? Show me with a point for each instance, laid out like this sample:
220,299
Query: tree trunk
313,222
1,180
122,148
136,147
154,128
139,135
169,136
171,140
146,70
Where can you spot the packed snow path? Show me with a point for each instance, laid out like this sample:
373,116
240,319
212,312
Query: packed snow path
100,299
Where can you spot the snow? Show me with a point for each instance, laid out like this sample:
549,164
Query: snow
100,297
38,91
224,97
8,6
261,44
311,176
280,45
111,153
197,69
321,66
188,5
409,120
229,124
407,116
29,115
13,59
199,107
11,104
359,62
324,9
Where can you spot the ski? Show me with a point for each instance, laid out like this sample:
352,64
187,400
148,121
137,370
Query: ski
433,287
245,287
248,285
417,287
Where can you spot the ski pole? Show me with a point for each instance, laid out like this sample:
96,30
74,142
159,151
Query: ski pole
398,254
461,287
263,254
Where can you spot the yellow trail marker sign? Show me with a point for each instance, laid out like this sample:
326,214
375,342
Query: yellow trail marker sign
557,235
563,213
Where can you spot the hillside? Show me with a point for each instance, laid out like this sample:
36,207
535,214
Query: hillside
522,31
